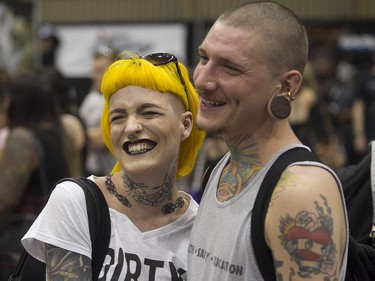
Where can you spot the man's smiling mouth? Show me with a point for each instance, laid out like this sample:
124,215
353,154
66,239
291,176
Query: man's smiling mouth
212,103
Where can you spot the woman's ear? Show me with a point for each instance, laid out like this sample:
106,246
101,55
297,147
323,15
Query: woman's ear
187,125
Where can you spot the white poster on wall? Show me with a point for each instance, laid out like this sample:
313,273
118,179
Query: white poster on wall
78,42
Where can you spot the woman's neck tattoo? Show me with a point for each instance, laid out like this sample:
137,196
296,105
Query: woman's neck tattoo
109,184
153,196
170,207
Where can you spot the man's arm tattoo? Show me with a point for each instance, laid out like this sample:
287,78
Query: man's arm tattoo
308,239
64,265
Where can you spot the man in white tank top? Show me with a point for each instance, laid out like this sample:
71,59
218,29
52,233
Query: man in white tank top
250,70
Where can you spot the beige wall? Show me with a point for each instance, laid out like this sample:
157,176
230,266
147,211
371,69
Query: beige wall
110,11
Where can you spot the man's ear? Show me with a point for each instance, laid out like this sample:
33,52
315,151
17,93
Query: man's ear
292,82
187,125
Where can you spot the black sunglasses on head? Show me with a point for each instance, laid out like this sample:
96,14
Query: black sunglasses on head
162,59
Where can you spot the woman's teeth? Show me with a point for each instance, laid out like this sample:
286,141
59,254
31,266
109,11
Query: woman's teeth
139,148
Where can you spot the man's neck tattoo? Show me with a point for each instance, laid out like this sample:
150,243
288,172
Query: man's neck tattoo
164,192
112,189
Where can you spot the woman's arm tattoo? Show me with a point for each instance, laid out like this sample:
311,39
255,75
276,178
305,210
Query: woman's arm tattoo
64,265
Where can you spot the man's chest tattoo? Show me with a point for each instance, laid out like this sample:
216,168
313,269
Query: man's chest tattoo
234,179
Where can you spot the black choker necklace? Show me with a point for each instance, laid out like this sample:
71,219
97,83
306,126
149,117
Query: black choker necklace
112,189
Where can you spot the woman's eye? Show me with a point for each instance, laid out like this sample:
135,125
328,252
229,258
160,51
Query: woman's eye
150,113
115,118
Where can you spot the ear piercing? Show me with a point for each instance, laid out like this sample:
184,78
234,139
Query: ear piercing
279,107
290,97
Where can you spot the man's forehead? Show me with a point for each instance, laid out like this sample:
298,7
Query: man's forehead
231,44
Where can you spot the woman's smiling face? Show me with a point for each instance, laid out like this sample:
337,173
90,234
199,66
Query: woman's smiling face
147,128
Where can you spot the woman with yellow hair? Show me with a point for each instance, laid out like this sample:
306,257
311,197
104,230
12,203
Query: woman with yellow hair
148,124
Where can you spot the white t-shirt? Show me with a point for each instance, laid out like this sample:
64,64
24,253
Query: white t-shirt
160,254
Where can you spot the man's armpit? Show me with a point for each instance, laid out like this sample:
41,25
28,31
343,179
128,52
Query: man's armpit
65,265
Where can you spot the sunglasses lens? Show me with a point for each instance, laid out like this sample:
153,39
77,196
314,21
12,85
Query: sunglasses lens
160,58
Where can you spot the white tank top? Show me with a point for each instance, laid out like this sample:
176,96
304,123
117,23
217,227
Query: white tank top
220,245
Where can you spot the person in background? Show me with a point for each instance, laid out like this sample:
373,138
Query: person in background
37,141
340,105
300,117
4,104
148,123
250,69
363,110
70,118
99,160
49,43
36,154
313,124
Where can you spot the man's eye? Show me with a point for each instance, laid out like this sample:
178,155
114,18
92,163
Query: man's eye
231,69
202,59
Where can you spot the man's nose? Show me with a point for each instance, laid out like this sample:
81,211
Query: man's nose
204,77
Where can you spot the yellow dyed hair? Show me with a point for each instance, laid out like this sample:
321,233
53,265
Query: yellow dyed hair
135,71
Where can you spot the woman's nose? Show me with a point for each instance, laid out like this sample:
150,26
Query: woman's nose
133,128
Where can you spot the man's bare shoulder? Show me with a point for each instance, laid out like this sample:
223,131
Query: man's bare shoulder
306,223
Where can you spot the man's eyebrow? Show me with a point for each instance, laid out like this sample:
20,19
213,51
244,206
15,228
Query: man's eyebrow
225,61
221,60
201,50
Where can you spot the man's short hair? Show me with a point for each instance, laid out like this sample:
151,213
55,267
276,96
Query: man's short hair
285,43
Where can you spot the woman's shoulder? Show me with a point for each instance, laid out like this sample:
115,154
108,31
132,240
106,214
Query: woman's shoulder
67,189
